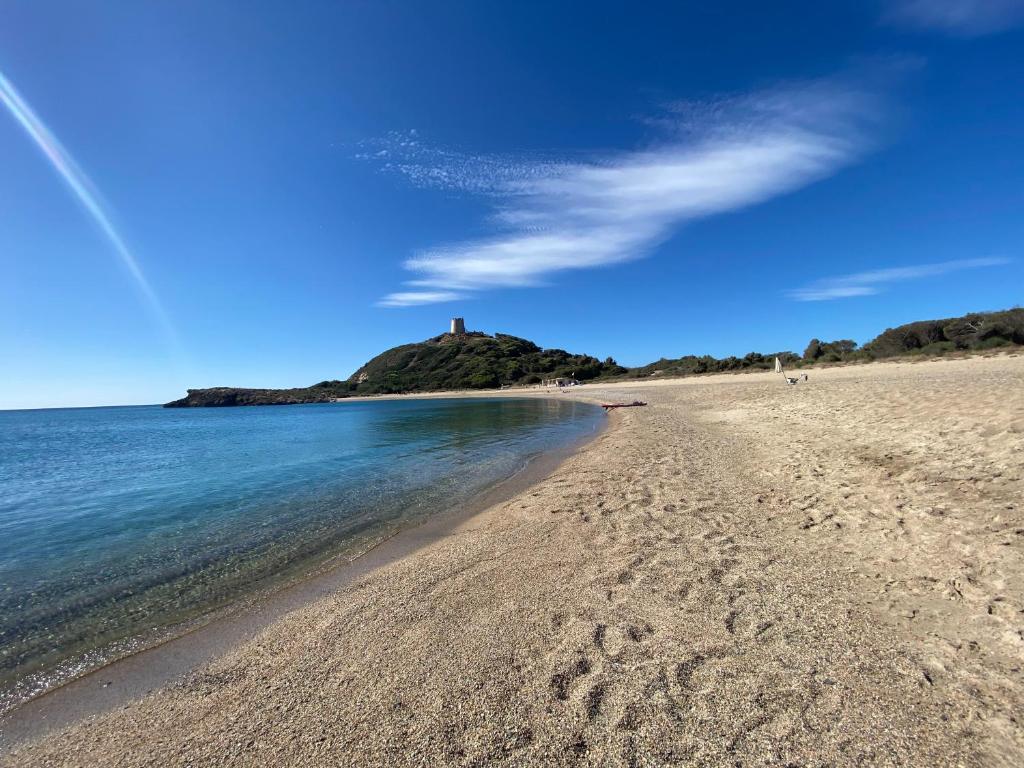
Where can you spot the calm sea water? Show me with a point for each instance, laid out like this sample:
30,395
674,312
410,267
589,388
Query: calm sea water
117,523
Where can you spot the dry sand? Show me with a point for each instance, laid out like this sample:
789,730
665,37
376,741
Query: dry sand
743,573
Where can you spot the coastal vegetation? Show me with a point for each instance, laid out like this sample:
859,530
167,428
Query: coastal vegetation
976,331
473,361
477,361
979,330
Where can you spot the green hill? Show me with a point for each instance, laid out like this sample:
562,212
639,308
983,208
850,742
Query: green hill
464,361
473,361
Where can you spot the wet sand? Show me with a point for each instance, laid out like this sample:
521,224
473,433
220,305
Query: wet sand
741,573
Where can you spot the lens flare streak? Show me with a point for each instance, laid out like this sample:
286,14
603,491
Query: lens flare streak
83,189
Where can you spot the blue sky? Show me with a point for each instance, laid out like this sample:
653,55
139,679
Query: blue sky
269,194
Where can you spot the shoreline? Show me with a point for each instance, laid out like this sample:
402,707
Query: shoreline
538,390
742,572
186,648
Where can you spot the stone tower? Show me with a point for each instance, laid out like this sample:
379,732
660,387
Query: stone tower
458,326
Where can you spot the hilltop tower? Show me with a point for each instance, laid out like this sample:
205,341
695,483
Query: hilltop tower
458,326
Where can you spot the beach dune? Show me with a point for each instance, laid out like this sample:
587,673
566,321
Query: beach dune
741,573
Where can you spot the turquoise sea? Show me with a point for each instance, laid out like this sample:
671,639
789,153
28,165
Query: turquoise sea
118,524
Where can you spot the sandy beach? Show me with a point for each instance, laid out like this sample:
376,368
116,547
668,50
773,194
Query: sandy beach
741,573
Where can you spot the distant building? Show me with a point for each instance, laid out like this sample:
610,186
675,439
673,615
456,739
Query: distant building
458,326
561,381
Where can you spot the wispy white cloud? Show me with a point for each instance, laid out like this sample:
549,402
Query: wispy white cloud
412,298
870,283
557,214
958,17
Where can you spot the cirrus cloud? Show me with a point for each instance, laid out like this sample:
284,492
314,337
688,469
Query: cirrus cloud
557,214
412,298
874,281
